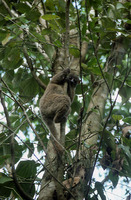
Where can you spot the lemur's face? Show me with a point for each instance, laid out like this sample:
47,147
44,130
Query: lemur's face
73,79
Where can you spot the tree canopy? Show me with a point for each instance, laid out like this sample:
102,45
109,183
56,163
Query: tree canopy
37,40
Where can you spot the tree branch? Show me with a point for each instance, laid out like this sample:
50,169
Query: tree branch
7,8
12,148
112,106
27,118
44,166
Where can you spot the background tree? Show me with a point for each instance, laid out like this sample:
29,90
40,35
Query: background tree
38,39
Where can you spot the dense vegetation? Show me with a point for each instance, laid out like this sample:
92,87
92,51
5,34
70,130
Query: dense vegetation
38,39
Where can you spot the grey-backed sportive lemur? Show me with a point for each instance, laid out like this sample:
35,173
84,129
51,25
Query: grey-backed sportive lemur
55,104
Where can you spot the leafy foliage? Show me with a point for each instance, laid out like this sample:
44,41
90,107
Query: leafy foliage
20,26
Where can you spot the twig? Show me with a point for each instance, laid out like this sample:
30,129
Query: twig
12,134
80,61
7,8
27,118
18,186
29,32
112,106
44,10
95,53
67,37
29,62
44,166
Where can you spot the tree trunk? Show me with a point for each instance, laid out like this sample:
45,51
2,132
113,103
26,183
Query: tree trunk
52,186
92,127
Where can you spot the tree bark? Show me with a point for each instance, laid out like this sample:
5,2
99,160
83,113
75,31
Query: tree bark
54,161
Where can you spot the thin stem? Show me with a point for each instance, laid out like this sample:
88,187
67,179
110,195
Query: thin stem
80,61
29,62
112,106
67,36
27,118
12,149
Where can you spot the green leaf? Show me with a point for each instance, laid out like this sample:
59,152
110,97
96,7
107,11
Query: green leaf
100,188
3,158
119,6
38,37
5,189
13,59
18,78
127,120
22,7
6,39
96,71
109,140
75,107
114,178
50,17
49,50
125,93
6,185
18,151
79,88
128,82
26,169
50,5
126,150
8,76
69,139
109,77
14,117
117,117
84,67
29,88
4,178
46,31
33,15
3,34
58,43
